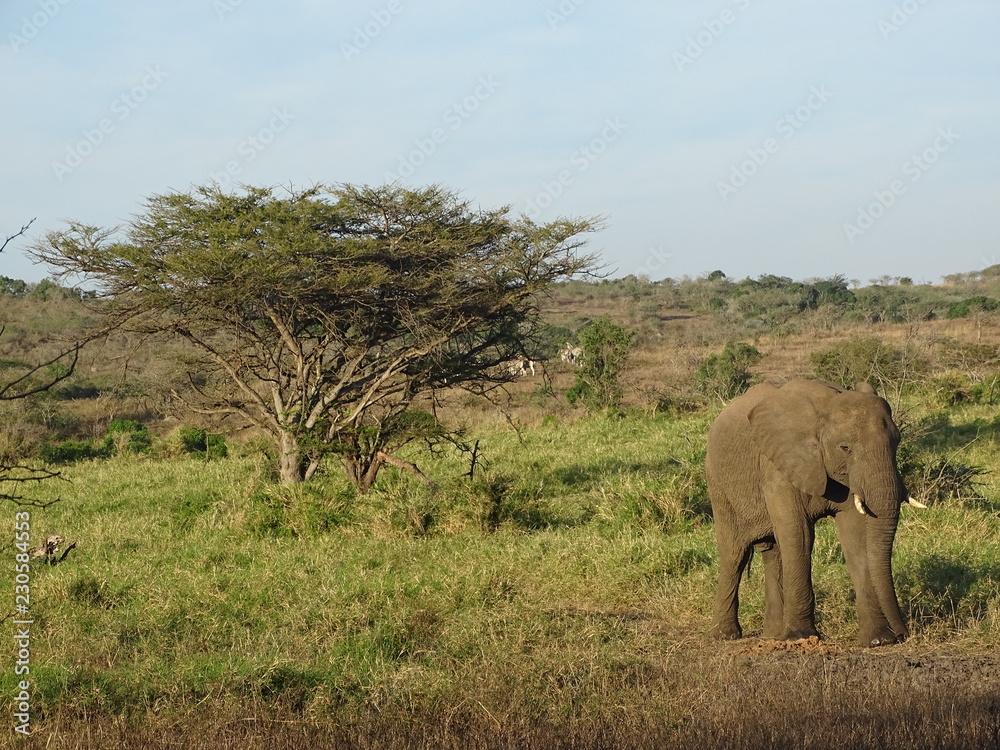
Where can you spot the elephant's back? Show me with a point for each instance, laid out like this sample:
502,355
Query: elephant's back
731,457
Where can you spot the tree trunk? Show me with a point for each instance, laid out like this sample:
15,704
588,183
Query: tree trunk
290,467
363,470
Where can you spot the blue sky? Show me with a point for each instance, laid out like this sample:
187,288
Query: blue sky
751,136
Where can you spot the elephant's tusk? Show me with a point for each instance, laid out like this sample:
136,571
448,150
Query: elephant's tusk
860,505
915,503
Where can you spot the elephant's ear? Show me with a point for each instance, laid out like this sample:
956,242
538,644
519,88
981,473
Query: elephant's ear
784,428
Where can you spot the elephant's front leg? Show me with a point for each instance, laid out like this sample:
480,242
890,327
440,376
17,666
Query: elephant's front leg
774,599
873,627
795,535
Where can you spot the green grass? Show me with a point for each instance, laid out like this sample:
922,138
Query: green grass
568,585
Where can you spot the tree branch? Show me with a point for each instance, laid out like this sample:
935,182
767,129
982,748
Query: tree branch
16,474
400,463
16,234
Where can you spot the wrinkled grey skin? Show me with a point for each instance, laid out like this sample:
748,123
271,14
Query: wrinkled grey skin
779,459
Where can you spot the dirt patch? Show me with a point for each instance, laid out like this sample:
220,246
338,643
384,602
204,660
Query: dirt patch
808,646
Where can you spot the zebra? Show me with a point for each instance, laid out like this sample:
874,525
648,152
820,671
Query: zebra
519,367
571,354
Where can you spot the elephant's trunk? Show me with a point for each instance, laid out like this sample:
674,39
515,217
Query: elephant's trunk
880,532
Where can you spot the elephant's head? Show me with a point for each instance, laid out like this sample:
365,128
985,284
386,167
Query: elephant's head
814,432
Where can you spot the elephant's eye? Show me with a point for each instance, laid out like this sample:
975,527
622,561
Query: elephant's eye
845,448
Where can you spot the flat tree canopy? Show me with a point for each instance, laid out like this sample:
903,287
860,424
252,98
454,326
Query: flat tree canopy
322,314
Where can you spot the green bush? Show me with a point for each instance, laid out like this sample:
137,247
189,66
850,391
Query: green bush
127,436
579,393
952,388
201,443
726,375
987,391
69,451
965,308
606,349
866,359
292,512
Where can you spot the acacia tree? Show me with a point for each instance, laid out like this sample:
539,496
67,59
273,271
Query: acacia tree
21,380
322,314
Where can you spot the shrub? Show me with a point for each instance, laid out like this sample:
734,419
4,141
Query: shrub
965,308
579,393
298,511
865,359
952,388
935,478
968,357
201,443
12,287
887,304
69,451
127,436
988,390
605,355
927,474
726,375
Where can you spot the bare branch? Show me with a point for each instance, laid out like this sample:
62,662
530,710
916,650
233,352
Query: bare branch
405,465
16,234
9,393
17,475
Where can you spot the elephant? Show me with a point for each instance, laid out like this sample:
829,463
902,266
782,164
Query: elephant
778,460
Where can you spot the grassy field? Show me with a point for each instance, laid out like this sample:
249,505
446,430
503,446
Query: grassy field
560,598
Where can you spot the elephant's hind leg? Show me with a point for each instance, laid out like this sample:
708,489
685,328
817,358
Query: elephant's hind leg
732,562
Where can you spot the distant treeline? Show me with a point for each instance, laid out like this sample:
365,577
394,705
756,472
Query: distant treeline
772,300
42,290
769,299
